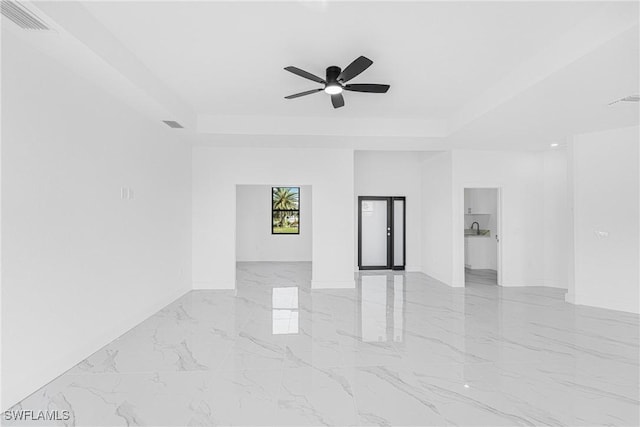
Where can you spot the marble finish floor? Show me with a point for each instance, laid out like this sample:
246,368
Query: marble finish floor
399,349
480,277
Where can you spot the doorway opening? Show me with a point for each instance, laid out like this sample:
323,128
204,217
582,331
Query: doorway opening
381,233
482,236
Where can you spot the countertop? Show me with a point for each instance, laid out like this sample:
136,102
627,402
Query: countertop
484,234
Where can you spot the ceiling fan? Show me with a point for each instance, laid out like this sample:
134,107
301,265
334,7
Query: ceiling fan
335,81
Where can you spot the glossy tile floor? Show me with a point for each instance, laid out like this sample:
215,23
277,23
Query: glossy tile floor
399,349
480,277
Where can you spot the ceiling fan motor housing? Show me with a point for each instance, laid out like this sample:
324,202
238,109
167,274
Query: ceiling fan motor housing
332,75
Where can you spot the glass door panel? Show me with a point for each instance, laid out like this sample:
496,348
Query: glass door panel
398,233
374,233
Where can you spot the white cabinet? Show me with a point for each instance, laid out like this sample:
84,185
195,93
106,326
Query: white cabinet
467,201
483,201
480,253
480,200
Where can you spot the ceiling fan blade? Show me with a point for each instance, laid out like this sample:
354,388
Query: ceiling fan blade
305,74
355,68
372,88
298,95
337,100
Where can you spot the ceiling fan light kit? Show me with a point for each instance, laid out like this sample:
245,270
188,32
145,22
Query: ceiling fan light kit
333,89
335,81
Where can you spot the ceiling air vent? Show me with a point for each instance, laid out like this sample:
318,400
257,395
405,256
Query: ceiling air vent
173,124
21,16
630,98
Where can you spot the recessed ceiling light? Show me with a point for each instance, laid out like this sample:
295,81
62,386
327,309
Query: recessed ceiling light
555,144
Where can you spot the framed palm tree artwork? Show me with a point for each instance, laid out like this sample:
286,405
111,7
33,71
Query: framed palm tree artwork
285,210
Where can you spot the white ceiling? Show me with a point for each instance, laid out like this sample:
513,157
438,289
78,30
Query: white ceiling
484,74
575,99
228,58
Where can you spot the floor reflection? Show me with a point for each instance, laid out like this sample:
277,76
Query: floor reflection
285,314
381,297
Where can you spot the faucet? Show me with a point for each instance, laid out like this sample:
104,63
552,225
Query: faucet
477,229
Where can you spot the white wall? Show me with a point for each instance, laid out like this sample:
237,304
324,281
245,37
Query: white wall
217,171
80,265
606,199
556,215
437,218
394,173
519,175
254,241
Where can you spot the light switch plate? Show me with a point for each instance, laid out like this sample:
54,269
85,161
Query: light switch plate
126,193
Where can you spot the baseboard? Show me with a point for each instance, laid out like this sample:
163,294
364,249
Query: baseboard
450,284
554,285
528,285
40,376
333,284
570,298
627,306
518,285
212,286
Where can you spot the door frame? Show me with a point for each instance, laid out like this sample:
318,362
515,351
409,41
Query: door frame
390,236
